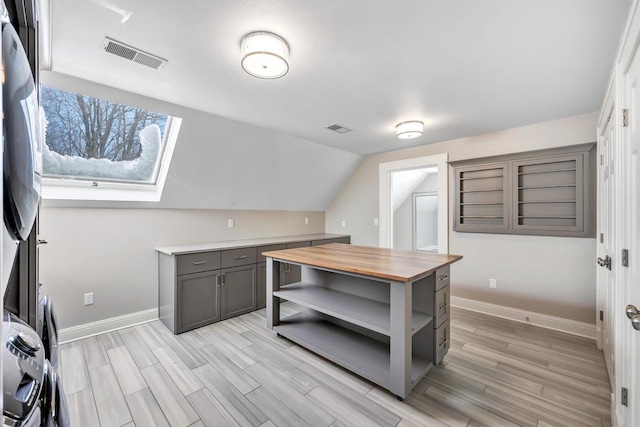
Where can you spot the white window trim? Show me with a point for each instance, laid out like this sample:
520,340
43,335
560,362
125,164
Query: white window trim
76,189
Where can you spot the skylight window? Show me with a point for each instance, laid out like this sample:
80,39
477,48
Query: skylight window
102,150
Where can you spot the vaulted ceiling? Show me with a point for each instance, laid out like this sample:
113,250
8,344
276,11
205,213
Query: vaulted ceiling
462,67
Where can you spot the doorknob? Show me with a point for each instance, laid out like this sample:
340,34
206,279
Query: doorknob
634,315
605,262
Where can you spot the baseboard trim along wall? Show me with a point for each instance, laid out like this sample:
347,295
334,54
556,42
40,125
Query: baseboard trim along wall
543,320
75,333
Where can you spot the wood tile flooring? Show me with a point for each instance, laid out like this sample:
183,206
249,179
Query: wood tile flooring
237,373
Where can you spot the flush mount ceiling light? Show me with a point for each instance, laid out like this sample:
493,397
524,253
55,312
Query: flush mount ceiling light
409,130
265,55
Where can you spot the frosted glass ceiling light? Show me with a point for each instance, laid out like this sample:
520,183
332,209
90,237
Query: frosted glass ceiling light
265,55
409,130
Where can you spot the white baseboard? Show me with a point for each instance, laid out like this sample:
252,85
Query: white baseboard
573,327
107,325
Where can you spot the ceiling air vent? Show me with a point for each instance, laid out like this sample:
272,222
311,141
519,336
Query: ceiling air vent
132,54
338,129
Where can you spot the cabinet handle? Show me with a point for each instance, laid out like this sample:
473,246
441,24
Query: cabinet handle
440,307
223,280
239,257
443,277
217,280
443,342
199,262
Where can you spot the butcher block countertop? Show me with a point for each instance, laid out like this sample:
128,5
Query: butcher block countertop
390,264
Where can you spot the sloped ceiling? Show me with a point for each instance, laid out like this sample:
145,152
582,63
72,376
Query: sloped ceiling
405,182
224,164
462,67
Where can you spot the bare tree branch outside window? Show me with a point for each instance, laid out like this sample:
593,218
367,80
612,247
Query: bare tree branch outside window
93,128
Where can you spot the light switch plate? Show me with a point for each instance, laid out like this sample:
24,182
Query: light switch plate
230,223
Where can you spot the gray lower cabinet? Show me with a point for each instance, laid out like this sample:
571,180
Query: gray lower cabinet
203,287
346,240
292,273
198,300
262,285
237,290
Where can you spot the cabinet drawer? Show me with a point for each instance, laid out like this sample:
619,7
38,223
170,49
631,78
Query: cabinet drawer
442,342
236,257
346,240
441,306
442,278
262,258
298,245
195,263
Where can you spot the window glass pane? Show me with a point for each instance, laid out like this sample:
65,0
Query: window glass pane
94,139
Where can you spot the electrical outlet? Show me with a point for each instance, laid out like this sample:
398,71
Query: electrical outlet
306,221
230,223
344,224
375,221
493,283
88,298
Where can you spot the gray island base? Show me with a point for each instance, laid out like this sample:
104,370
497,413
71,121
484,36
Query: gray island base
380,313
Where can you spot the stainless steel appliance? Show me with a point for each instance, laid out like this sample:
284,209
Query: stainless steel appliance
23,369
47,327
32,390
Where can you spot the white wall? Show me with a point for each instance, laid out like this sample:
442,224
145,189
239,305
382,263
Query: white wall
110,251
549,275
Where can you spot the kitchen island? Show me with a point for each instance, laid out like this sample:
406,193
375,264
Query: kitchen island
381,313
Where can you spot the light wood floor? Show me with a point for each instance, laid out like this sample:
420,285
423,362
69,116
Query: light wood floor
236,372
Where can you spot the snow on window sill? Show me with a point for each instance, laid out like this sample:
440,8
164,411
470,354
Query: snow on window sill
96,190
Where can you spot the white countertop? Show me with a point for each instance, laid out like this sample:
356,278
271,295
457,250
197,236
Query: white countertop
234,244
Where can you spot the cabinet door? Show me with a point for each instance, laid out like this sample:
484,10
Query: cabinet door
198,298
262,285
482,198
238,291
548,195
293,273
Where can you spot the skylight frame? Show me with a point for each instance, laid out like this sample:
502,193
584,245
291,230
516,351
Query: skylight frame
91,189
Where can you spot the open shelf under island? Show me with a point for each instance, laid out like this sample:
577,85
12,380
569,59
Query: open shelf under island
381,313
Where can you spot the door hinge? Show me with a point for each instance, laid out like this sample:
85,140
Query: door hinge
601,237
601,316
625,257
625,117
624,397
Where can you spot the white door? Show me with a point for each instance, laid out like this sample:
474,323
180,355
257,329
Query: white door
605,244
630,236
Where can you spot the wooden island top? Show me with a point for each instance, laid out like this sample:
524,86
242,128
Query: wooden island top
389,264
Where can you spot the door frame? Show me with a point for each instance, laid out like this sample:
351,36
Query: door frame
386,170
615,101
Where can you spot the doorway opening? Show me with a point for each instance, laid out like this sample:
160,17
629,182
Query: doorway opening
413,204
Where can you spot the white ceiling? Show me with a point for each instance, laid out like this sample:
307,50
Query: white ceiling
462,67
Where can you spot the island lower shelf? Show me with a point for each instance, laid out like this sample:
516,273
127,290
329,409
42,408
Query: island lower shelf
359,353
360,311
